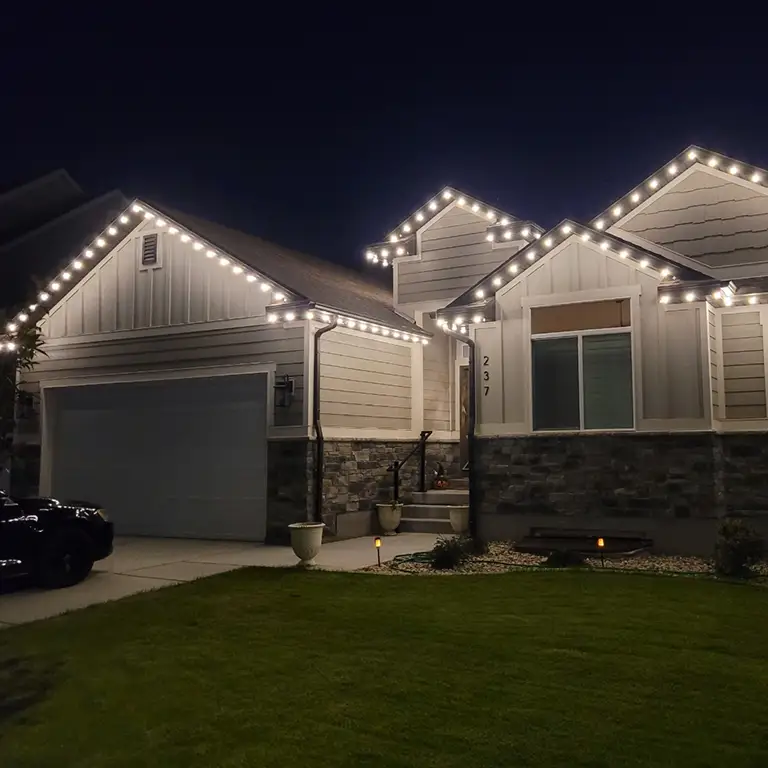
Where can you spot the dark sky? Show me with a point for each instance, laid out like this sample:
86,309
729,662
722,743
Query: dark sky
326,153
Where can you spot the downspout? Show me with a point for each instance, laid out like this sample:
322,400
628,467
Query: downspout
317,426
470,432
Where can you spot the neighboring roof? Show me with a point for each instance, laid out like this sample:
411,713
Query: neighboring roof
318,281
401,242
38,253
482,292
26,206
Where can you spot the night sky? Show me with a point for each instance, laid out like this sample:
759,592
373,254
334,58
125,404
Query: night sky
328,157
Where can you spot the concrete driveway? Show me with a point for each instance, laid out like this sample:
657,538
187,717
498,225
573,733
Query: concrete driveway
139,564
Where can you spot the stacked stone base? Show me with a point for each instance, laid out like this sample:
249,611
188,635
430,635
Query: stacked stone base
355,481
673,487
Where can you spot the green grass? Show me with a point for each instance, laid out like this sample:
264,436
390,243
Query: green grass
282,668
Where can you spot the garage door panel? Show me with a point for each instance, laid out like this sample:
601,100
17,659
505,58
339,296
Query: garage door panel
171,458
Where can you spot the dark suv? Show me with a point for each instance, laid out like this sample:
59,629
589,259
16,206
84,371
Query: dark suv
55,542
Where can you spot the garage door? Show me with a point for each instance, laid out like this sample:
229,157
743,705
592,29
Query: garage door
182,457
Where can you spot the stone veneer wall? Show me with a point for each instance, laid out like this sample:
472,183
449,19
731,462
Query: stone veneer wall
356,477
672,486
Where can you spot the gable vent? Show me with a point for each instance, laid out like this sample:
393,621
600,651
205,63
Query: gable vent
149,250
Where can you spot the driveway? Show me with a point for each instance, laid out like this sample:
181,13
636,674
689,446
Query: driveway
139,564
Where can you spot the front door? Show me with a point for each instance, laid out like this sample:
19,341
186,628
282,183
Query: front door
464,415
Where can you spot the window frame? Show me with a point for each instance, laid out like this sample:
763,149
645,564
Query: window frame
631,292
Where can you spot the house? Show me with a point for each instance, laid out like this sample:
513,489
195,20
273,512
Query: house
176,387
619,366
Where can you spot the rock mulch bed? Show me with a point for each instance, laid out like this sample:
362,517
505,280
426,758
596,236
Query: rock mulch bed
502,557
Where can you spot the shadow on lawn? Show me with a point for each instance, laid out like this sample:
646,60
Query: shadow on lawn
24,682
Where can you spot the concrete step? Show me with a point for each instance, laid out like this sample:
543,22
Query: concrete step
432,511
459,483
448,496
424,525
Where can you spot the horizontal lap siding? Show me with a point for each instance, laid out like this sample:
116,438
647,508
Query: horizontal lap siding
454,256
743,366
437,386
204,348
365,382
709,218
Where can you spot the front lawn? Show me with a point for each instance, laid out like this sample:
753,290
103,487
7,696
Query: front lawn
282,668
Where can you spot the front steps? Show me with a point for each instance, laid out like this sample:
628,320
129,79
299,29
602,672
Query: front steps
429,512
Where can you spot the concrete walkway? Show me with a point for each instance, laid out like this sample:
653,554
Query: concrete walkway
139,564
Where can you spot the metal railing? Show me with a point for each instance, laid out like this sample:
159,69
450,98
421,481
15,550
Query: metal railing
396,466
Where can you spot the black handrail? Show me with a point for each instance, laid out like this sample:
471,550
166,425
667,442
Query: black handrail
396,466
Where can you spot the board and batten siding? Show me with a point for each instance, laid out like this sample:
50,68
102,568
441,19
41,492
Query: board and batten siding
670,341
743,365
127,318
365,382
185,287
453,256
437,378
709,218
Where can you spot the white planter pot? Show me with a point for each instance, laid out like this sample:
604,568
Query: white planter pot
459,520
389,517
306,540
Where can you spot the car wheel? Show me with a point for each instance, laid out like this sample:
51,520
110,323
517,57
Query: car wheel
66,559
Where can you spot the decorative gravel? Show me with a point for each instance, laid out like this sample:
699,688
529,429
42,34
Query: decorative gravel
502,557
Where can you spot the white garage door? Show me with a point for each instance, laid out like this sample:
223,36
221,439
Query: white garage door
181,457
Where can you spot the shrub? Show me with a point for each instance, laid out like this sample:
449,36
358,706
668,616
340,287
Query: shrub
738,548
476,546
449,553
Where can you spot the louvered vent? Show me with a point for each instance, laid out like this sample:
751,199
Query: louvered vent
149,250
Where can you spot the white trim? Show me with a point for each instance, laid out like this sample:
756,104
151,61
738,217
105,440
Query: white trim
296,432
48,418
585,332
741,425
720,368
368,433
675,425
705,376
309,373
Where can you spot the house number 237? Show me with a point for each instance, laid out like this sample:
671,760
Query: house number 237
486,375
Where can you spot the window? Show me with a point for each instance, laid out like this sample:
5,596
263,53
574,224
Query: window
149,251
582,366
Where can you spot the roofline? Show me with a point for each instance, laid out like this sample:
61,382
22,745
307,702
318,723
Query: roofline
58,219
654,184
551,239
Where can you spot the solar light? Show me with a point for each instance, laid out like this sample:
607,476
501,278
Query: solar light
377,544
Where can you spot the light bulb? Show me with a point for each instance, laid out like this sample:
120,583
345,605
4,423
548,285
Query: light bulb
185,238
653,183
137,209
66,275
432,206
604,245
475,208
489,237
692,155
210,254
173,231
271,318
525,231
289,316
160,222
55,286
497,281
459,320
490,215
77,264
753,299
112,231
664,299
617,211
512,269
461,201
635,197
712,162
11,327
690,296
23,317
374,329
479,293
425,341
508,234
419,216
44,296
237,270
124,219
370,255
223,261
88,253
309,315
325,317
266,287
623,253
531,255
665,272
278,296
101,242
599,224
734,170
384,253
548,242
672,170
400,251
585,236
727,300
363,326
406,228
504,221
476,318
198,246
643,263
756,178
396,334
447,195
251,278
148,215
566,229
392,239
